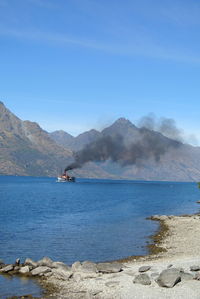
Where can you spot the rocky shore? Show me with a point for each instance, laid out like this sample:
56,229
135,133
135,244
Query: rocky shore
171,271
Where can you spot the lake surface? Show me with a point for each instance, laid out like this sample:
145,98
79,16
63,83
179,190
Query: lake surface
98,220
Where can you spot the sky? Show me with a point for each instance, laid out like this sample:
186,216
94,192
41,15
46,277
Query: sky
81,64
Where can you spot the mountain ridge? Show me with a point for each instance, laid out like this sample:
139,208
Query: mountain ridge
27,149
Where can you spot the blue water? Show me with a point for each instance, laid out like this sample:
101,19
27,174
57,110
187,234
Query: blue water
12,286
98,220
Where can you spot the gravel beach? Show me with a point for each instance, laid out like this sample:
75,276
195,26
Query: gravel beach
172,270
182,245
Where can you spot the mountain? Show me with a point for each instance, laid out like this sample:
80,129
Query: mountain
26,149
62,138
74,143
180,162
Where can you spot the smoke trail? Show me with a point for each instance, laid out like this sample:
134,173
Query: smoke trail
147,145
166,126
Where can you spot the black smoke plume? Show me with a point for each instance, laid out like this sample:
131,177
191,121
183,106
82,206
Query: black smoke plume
148,144
166,126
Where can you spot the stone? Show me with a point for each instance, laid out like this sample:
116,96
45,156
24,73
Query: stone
197,276
142,279
17,262
40,270
48,274
112,284
89,267
45,261
169,278
7,268
194,268
60,265
109,267
78,276
24,270
144,268
155,275
169,266
62,274
30,262
186,276
76,266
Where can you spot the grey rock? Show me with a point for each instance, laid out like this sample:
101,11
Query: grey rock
112,283
186,276
40,270
130,272
78,276
169,266
89,267
109,267
142,279
17,262
76,266
30,262
60,265
48,274
24,270
7,268
169,278
62,274
154,275
45,261
197,276
194,268
144,268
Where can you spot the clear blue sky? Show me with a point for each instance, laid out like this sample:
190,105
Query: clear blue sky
79,64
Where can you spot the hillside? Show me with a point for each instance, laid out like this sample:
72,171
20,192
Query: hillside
178,163
26,149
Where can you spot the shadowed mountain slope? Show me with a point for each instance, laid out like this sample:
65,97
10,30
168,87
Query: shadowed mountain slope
26,149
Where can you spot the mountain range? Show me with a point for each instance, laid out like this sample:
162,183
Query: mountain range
27,149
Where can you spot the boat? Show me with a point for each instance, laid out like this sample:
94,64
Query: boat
64,177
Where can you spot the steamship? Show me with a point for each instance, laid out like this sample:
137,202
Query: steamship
64,177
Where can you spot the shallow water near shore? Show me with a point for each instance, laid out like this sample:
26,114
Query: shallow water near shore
98,220
12,286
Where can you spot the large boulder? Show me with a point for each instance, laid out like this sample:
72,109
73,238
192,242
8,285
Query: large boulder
45,261
17,262
61,273
30,262
40,270
144,268
169,278
76,266
195,268
186,276
60,265
89,267
109,267
7,268
142,279
24,270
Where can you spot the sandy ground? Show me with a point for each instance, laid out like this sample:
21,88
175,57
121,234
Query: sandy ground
183,250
